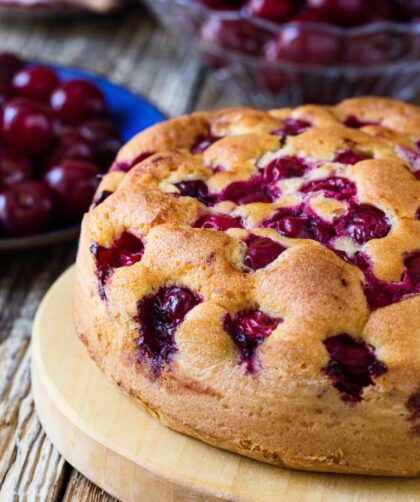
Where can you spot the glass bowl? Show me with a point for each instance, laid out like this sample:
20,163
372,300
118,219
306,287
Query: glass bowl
322,63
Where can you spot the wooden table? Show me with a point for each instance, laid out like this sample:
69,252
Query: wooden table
132,50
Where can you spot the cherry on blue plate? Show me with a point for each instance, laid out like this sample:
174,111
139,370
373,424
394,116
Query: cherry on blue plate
130,113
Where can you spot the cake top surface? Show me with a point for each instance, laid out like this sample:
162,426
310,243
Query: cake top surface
302,221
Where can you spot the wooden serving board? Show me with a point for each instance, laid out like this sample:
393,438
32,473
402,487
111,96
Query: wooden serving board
109,438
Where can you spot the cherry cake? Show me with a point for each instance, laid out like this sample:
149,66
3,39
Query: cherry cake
253,279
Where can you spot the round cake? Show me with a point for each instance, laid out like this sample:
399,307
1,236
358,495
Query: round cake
252,278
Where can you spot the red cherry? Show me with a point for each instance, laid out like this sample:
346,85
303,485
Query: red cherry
72,145
35,82
27,125
261,251
73,184
284,167
219,222
299,44
273,10
379,10
105,139
348,156
14,167
196,189
247,192
299,223
237,35
277,79
126,250
9,65
355,123
352,365
409,8
5,92
335,187
292,127
222,4
158,316
77,100
413,267
25,208
344,12
248,329
202,142
365,222
308,16
126,166
375,48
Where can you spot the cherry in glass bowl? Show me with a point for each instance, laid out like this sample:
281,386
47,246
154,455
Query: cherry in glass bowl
284,53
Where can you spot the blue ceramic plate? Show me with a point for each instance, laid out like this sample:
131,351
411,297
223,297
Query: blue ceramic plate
131,114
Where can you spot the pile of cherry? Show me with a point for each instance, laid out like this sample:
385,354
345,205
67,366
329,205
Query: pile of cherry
338,12
244,30
56,138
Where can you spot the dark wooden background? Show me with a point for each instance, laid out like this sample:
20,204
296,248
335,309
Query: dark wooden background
130,49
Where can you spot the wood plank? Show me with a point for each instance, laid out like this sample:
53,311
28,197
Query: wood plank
28,461
79,488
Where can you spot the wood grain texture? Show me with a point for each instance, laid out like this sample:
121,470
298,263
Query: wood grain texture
79,488
130,49
28,462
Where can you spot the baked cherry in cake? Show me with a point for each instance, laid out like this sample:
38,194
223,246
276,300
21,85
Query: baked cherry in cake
335,186
202,142
261,251
292,127
284,167
126,250
300,223
248,329
253,279
349,156
219,222
352,365
364,223
356,122
158,317
195,188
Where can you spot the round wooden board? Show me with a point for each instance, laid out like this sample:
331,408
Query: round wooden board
108,437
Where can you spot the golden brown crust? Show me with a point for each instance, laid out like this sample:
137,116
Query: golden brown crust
287,413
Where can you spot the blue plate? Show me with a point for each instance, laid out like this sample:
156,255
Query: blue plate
131,114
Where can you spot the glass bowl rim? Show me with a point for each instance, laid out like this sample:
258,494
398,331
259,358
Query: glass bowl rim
374,28
242,15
